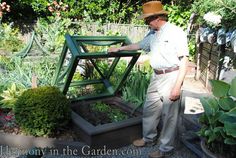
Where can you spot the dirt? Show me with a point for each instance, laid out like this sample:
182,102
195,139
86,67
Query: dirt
97,117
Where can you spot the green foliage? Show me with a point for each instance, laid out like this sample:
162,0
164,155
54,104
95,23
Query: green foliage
116,74
232,90
6,63
135,88
17,75
184,3
50,34
192,48
9,96
219,119
44,70
21,73
39,6
178,15
102,11
114,114
40,111
9,39
225,8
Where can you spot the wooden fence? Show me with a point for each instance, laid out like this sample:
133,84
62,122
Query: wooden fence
212,59
133,32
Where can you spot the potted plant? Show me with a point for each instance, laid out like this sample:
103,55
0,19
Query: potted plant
218,122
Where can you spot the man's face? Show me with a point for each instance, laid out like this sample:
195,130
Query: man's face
151,21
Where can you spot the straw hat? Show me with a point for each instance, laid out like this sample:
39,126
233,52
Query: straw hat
152,8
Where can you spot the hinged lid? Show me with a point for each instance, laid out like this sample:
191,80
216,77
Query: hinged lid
85,66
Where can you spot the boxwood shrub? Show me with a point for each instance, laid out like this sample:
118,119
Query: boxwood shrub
40,111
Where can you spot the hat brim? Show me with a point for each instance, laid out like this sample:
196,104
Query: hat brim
143,16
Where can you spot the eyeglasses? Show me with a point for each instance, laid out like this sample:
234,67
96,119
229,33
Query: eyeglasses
149,19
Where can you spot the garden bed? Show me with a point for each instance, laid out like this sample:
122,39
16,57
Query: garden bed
110,134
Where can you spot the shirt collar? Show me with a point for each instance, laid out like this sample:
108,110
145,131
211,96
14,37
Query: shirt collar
163,26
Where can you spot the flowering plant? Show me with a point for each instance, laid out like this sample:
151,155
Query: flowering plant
212,18
57,7
215,13
4,7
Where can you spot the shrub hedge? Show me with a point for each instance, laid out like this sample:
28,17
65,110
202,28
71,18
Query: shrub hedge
40,111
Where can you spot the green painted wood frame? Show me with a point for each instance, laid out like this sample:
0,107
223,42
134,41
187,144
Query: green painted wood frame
74,45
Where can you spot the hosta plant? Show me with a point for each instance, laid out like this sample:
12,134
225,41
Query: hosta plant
219,119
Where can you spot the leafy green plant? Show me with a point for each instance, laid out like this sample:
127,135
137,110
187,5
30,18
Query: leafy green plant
44,70
40,111
9,39
50,34
91,10
104,11
114,114
6,63
21,72
9,96
192,48
135,88
219,119
178,15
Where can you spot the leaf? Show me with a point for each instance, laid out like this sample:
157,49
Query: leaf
212,136
210,105
232,112
219,88
227,118
227,103
232,90
215,118
230,141
218,129
230,129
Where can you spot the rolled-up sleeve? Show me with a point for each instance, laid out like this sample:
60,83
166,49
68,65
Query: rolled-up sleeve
144,44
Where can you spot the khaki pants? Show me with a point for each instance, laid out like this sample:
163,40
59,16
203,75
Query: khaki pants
159,105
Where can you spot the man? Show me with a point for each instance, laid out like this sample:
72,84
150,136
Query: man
168,49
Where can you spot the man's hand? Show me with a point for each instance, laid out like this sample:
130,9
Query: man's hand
175,94
113,50
176,90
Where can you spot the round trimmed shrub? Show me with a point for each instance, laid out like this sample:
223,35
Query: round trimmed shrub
40,111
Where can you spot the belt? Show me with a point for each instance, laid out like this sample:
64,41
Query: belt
164,71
